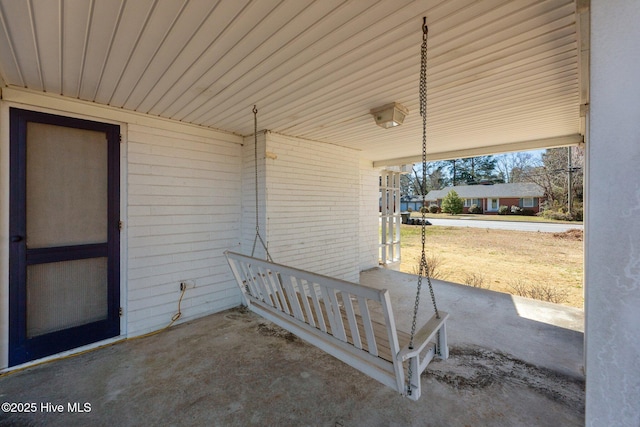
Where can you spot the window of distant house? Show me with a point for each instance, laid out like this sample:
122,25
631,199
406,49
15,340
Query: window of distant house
527,202
469,202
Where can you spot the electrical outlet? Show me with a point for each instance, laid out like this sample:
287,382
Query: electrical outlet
187,284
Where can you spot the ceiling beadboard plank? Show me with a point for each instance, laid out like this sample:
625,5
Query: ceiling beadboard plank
135,30
293,45
161,22
104,24
504,77
130,26
226,42
60,38
34,37
465,37
9,66
282,60
134,84
85,46
74,15
376,50
200,42
253,44
299,69
193,18
330,102
278,38
17,22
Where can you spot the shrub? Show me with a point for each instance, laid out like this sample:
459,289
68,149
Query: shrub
424,209
452,203
528,212
502,210
539,291
558,212
409,209
475,209
476,280
434,209
556,215
576,210
434,267
516,210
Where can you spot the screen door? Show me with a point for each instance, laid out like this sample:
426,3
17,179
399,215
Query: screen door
64,234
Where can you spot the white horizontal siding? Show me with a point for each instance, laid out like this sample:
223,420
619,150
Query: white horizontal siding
183,211
312,205
368,215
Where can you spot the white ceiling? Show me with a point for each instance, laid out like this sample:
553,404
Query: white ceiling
499,72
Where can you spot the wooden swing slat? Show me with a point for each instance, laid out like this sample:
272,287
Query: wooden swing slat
316,305
367,325
351,318
303,287
266,284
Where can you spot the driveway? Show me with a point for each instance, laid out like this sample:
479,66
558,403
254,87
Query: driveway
544,227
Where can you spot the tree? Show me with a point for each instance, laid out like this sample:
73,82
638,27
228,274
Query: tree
433,179
513,167
452,203
552,175
482,168
473,170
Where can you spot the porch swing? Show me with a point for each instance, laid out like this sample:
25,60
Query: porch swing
352,322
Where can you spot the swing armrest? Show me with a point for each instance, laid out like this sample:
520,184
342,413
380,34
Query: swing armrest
423,337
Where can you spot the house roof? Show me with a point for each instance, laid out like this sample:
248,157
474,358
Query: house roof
502,75
520,189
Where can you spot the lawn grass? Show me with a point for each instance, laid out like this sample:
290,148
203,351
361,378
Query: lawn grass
547,265
482,217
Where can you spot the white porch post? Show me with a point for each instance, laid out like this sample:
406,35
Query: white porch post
612,231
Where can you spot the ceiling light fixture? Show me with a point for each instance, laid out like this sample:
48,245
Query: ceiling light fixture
390,115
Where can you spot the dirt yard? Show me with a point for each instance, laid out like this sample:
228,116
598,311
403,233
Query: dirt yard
546,266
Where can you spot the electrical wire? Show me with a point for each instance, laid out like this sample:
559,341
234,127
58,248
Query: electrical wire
174,318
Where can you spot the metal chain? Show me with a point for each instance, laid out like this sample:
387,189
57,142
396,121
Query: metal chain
255,158
424,268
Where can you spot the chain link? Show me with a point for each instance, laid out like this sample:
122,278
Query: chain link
255,158
424,268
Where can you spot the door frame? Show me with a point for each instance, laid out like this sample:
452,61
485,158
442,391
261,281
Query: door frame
115,239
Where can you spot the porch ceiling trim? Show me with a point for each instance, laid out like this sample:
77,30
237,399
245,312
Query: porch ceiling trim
534,144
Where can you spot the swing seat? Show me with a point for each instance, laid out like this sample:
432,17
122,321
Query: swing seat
352,322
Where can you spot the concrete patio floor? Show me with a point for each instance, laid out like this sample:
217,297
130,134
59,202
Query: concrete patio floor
514,362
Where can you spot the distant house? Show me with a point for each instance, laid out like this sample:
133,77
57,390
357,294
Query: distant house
490,197
411,203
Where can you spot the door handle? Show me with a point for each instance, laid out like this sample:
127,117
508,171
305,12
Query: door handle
16,239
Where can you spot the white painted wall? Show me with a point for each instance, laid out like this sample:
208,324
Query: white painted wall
311,204
612,231
183,212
